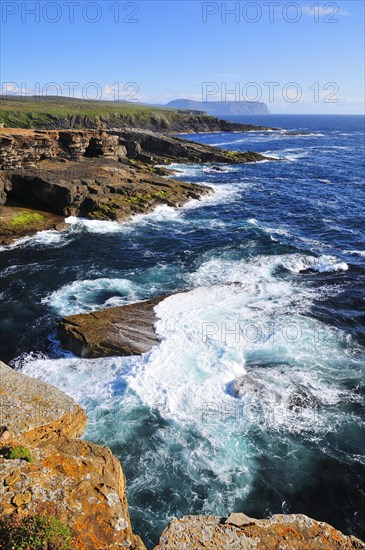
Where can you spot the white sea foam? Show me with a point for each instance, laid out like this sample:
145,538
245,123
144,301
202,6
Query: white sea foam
322,264
53,238
202,352
90,294
46,238
288,154
82,296
96,226
287,368
223,168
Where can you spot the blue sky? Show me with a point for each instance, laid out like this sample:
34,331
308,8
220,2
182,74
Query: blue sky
172,48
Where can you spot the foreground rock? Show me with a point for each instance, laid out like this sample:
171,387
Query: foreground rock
124,330
44,411
80,483
284,532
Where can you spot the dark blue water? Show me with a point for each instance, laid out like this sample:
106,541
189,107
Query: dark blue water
255,399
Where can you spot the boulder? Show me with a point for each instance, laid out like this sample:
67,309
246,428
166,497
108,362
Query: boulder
123,330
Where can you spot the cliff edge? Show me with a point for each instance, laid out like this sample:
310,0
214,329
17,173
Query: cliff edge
46,469
238,531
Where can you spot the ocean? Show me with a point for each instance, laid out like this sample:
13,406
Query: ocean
254,401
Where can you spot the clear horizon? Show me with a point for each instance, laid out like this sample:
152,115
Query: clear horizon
297,57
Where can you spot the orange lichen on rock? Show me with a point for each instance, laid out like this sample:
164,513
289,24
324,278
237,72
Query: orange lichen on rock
82,484
284,532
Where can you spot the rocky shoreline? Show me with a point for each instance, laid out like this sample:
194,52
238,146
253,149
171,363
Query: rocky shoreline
46,470
97,174
79,483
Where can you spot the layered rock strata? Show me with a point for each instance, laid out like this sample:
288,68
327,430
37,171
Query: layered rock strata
101,175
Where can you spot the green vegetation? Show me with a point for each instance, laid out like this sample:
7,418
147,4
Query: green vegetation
108,211
34,532
17,453
231,155
104,212
133,200
140,198
54,112
25,219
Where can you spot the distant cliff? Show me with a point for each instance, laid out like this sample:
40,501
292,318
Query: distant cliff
221,108
58,113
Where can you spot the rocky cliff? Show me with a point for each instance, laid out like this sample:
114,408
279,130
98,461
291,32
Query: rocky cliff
47,112
46,469
238,531
102,175
27,148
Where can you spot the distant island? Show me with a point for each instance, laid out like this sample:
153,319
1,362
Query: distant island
221,108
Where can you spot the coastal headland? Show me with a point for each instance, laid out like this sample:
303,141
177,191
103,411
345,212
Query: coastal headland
47,175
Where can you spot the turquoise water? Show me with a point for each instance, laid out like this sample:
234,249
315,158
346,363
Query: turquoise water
254,401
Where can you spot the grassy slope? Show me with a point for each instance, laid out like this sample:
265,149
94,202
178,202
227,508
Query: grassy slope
31,112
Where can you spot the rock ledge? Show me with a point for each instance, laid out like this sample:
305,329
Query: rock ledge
238,531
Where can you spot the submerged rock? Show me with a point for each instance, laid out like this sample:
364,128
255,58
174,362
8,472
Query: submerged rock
284,532
123,330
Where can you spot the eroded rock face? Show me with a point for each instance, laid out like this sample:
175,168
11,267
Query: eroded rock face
124,330
148,144
96,188
80,483
284,532
98,174
24,148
